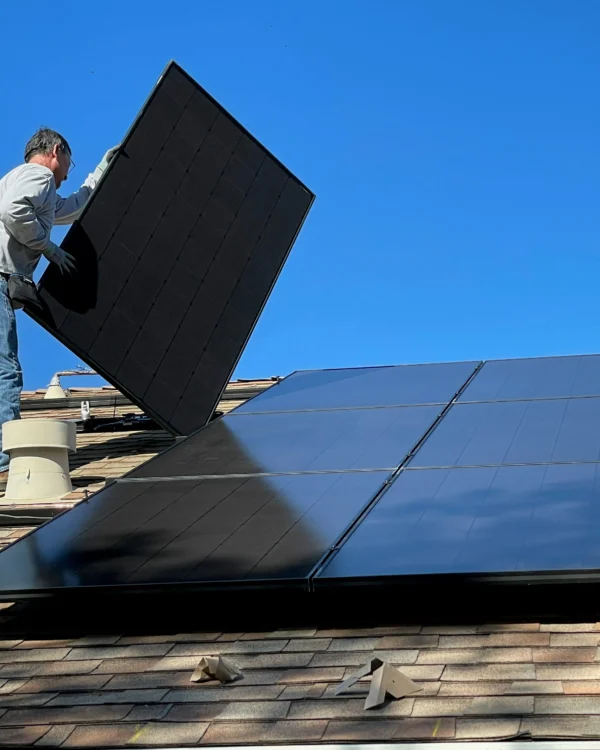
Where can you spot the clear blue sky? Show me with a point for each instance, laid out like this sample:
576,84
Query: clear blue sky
454,147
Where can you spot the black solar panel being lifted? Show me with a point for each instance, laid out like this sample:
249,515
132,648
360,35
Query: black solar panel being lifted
177,252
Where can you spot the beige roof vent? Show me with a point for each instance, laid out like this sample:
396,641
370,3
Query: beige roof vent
39,460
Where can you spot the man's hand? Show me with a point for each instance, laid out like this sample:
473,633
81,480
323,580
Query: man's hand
102,167
65,261
107,158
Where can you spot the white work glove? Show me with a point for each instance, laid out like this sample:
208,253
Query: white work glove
106,159
55,254
95,176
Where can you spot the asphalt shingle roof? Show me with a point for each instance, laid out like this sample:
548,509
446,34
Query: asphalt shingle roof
477,682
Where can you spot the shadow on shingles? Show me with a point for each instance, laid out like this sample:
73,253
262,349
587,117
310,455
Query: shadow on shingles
79,482
122,446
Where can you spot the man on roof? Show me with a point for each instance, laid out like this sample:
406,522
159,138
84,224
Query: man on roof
29,208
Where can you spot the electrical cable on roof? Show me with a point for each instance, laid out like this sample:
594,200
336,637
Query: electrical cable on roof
29,518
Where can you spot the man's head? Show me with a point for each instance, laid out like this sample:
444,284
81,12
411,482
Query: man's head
49,148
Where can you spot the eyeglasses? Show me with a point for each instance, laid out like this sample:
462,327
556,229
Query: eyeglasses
71,162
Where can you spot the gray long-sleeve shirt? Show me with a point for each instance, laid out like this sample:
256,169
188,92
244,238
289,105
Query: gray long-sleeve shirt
29,207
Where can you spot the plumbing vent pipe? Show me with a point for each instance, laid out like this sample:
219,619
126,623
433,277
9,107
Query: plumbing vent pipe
55,390
39,460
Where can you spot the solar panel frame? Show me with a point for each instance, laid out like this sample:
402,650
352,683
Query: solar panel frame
107,338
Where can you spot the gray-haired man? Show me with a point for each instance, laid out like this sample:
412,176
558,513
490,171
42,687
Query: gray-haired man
29,208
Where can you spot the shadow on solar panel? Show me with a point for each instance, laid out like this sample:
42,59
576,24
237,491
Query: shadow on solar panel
222,531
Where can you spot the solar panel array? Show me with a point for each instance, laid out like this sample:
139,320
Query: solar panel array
258,496
342,477
506,483
177,252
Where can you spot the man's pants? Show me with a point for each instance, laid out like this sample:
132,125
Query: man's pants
11,375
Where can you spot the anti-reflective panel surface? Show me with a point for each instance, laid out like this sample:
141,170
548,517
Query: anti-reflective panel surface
364,387
219,530
177,252
485,520
515,432
305,441
548,377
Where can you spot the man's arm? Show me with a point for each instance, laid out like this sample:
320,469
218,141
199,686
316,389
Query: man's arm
20,204
68,209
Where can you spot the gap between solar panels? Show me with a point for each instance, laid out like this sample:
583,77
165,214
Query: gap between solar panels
177,252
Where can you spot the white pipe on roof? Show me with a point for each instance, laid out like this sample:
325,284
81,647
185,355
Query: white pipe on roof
55,390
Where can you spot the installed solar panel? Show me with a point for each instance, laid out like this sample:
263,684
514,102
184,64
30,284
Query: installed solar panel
484,520
546,377
218,531
364,387
506,432
177,252
304,441
251,497
459,508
